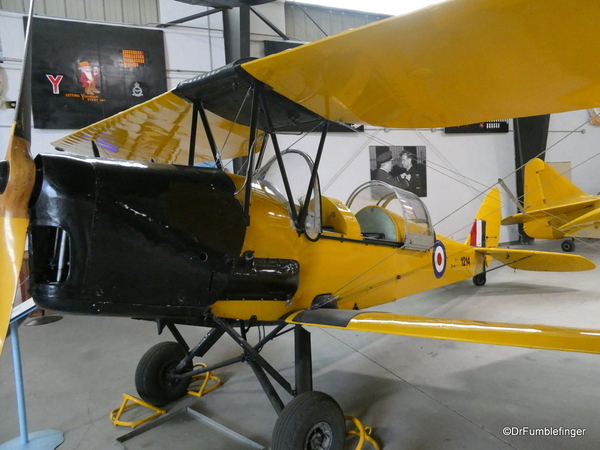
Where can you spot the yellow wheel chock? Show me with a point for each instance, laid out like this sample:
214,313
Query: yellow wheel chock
207,376
116,414
363,433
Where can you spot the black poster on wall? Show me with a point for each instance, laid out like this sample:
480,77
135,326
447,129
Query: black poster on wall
85,72
492,126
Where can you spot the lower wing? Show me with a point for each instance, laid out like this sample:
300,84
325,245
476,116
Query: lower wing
538,261
514,335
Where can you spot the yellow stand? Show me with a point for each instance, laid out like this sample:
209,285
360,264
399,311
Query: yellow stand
207,376
115,415
363,434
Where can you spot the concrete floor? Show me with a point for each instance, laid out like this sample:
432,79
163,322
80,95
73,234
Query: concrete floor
415,393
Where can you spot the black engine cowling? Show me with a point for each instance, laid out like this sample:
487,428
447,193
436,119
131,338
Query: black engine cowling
131,239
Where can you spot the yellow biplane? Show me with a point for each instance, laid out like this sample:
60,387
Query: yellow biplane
554,208
140,231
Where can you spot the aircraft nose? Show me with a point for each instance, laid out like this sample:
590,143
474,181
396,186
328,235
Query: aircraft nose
4,169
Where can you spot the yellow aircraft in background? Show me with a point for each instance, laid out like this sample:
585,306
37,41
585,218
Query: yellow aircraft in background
134,232
554,208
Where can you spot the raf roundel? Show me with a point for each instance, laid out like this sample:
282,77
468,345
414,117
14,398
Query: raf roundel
439,259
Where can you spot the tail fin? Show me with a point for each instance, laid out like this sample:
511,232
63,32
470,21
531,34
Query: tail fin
545,187
485,231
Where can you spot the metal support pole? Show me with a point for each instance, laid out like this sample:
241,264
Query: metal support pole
251,353
95,149
286,182
512,196
203,346
267,386
177,335
302,347
192,17
39,440
192,154
313,177
209,136
270,24
257,95
261,153
14,336
229,362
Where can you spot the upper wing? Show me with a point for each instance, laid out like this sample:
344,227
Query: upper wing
538,261
454,63
517,335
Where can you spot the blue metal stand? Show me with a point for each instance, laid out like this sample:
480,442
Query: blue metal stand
40,440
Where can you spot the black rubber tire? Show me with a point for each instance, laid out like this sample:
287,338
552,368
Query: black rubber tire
153,379
310,416
479,279
567,246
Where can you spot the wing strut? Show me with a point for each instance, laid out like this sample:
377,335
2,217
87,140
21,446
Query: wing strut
256,97
209,134
313,176
192,153
286,183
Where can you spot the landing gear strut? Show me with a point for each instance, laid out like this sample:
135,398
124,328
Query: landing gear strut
311,420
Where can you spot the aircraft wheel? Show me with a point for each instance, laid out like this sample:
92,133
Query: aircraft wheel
154,379
311,421
479,279
567,246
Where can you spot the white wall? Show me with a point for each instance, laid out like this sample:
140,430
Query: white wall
459,167
573,139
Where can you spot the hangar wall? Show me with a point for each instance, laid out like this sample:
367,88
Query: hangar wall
459,167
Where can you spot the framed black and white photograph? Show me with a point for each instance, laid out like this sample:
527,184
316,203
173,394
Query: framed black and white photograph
400,166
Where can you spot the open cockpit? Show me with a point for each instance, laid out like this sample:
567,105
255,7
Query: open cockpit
375,213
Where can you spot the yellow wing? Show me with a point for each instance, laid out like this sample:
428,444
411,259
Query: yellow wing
538,261
455,63
158,130
547,213
516,335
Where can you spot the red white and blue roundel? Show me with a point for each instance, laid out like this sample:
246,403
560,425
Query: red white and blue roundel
439,259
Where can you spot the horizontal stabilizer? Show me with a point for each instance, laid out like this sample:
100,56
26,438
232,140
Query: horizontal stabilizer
539,261
544,214
515,335
516,219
